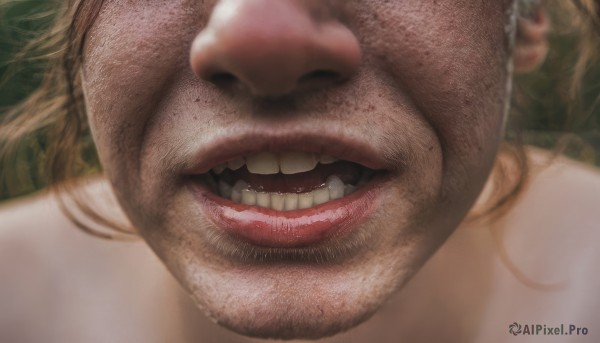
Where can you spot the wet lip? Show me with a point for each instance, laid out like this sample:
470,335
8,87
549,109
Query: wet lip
269,228
294,229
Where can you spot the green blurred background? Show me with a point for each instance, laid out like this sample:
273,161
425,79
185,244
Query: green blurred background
20,20
541,110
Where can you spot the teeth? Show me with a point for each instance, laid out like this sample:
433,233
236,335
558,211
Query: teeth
225,190
291,202
241,192
249,197
267,163
263,200
236,192
219,169
297,162
236,164
264,163
321,195
305,200
326,159
278,201
335,186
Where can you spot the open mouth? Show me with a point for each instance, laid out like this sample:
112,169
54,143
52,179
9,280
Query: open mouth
286,181
283,190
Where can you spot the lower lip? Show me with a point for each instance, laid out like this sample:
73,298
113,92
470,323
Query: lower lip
293,229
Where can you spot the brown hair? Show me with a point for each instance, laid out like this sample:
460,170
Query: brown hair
52,123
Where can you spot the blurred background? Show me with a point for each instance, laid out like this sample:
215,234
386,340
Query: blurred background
543,111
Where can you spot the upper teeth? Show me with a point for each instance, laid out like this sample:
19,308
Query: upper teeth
272,163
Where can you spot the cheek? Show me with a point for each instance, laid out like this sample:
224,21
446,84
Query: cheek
454,69
130,57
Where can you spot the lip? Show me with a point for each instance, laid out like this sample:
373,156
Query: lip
226,147
269,228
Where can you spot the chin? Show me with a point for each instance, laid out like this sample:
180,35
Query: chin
307,307
288,321
294,299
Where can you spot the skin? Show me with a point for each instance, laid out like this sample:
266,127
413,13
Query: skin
437,113
63,285
429,91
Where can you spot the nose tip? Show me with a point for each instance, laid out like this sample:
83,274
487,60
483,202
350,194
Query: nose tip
273,47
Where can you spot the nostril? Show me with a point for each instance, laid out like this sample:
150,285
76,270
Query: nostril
223,79
320,76
274,48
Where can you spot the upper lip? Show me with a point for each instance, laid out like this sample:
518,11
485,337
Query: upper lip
224,147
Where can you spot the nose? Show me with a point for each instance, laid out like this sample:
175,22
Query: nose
275,47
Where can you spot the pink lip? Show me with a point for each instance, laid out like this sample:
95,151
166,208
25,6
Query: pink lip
294,229
301,228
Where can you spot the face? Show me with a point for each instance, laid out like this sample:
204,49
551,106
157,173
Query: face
294,163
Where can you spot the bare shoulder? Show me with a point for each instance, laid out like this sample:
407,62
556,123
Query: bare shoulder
54,275
547,248
562,195
562,175
538,264
36,224
557,217
32,229
34,220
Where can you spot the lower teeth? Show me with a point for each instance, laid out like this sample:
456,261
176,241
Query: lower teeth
333,189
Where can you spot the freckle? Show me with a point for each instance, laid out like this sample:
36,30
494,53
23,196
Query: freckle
431,148
197,100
